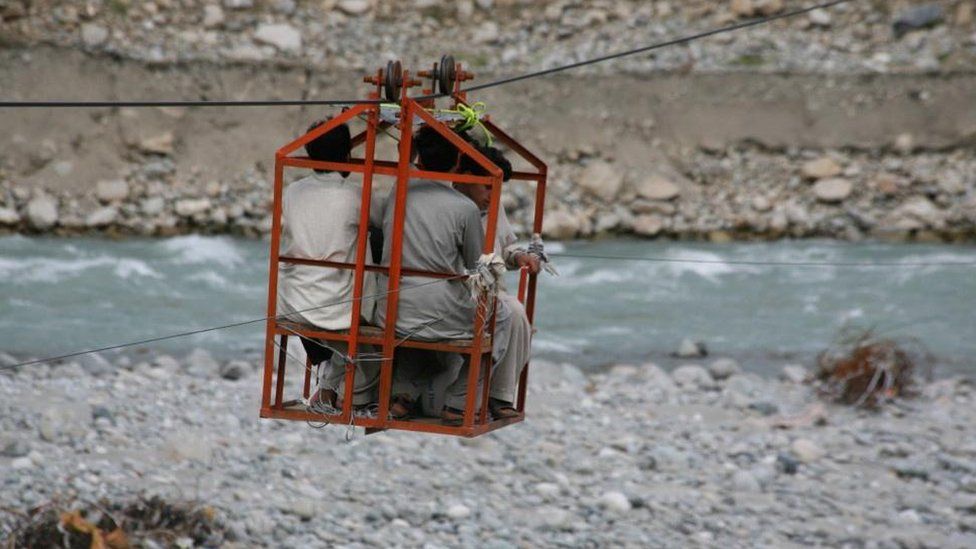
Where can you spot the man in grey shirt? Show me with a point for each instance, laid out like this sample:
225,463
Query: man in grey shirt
442,232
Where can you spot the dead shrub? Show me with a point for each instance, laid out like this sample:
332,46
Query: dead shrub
865,370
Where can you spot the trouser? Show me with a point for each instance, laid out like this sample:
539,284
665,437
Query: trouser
435,379
332,374
512,345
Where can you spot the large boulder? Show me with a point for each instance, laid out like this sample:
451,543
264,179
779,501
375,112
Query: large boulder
112,191
821,168
282,36
833,190
560,225
602,180
42,212
657,187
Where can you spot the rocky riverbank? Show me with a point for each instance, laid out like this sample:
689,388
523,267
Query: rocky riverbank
712,193
632,456
505,35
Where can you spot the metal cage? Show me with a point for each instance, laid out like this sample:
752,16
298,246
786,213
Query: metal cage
274,402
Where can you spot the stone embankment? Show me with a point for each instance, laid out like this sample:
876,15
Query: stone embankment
709,194
706,455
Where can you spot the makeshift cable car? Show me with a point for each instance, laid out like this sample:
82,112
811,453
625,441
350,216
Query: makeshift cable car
400,114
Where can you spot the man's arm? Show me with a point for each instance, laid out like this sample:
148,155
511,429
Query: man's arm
472,236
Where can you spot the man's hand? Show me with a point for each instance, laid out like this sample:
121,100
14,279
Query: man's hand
525,259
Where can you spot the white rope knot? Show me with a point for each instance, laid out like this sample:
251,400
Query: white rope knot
538,248
484,277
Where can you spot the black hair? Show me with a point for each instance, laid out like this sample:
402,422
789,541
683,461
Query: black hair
332,146
436,152
470,165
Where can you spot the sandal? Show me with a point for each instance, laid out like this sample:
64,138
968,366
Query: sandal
501,409
401,406
452,416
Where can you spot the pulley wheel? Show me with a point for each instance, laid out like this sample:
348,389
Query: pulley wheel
446,75
393,80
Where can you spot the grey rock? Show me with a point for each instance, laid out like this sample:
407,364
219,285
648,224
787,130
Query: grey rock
152,205
355,7
188,207
95,364
601,179
9,216
787,463
793,373
201,363
102,217
658,187
648,225
42,212
764,407
806,450
112,191
213,16
14,448
234,370
458,512
93,35
615,502
282,36
724,368
918,17
691,349
833,190
745,481
692,376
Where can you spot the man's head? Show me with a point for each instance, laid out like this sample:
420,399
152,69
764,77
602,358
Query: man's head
481,194
332,146
435,152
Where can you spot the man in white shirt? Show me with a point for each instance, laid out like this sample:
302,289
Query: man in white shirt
320,218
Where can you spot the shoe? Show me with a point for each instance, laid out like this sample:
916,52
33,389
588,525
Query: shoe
501,409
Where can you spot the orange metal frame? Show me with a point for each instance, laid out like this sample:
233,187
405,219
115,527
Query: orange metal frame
478,350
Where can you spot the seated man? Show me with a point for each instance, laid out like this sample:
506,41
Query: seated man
442,232
320,218
513,332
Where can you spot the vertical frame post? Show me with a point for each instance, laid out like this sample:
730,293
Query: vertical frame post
360,272
272,310
396,252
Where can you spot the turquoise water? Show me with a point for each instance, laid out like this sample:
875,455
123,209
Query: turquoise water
62,295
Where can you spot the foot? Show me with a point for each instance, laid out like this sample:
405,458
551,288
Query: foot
400,407
501,409
323,398
452,416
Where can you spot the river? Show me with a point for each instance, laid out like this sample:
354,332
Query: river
59,295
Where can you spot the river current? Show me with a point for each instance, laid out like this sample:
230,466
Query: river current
61,295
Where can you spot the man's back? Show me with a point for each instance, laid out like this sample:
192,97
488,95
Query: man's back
321,221
441,232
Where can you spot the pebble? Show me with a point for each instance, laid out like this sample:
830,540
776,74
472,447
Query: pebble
724,368
806,450
458,512
234,370
821,168
657,187
691,349
794,373
615,502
